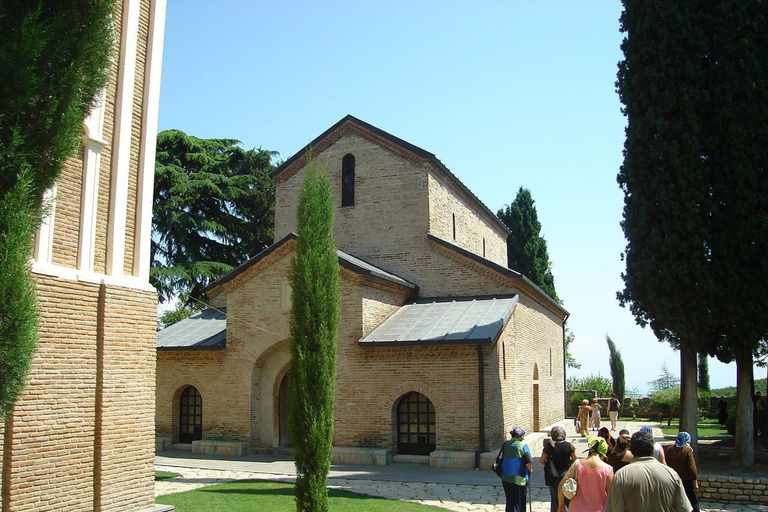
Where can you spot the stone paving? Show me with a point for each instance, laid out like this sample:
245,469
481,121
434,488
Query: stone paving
459,490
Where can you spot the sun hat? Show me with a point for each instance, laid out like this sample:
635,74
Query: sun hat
585,401
682,439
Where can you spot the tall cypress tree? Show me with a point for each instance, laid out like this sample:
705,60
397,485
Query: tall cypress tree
314,279
695,95
616,363
526,248
54,59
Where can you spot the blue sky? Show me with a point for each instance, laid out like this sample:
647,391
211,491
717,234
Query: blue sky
505,93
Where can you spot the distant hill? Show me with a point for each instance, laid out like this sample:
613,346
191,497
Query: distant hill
731,390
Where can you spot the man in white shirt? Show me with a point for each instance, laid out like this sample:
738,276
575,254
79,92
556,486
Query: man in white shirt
646,485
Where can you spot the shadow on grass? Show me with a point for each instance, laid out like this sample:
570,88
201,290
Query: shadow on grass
283,490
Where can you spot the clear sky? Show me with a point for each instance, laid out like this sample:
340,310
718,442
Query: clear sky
505,93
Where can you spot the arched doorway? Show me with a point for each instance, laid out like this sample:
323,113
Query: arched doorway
415,425
190,415
284,407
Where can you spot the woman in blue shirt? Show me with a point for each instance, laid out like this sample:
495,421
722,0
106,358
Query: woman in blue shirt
516,469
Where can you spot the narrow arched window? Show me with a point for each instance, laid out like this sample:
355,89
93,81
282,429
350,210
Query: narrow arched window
348,180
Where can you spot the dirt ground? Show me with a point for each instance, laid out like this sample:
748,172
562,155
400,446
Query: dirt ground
715,458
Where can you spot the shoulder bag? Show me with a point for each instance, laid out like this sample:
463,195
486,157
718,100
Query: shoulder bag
571,485
496,466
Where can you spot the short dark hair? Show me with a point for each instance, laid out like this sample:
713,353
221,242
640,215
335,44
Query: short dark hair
613,395
641,444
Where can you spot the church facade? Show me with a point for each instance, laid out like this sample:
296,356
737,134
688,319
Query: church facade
441,348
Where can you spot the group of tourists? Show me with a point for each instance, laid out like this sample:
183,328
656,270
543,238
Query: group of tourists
588,417
628,473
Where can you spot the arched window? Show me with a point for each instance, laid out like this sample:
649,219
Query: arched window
415,425
191,415
348,180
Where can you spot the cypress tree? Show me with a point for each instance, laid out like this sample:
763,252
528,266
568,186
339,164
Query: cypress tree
616,364
54,59
703,381
526,248
314,278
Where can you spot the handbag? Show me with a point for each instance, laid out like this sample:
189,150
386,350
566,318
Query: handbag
551,470
571,485
496,466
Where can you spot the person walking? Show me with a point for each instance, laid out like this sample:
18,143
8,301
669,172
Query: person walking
516,468
595,408
680,458
593,477
722,410
559,454
613,410
646,485
621,454
583,418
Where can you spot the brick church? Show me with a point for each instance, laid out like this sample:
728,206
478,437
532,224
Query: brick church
441,347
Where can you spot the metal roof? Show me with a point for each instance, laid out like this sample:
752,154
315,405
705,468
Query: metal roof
445,321
206,330
365,268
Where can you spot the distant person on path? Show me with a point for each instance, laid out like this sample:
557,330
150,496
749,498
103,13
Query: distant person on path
561,454
594,478
722,410
646,485
658,451
621,455
680,458
758,415
613,410
583,418
595,407
515,470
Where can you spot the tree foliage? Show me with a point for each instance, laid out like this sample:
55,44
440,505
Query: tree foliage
666,380
703,381
570,361
314,279
213,209
693,84
54,59
602,385
526,248
616,364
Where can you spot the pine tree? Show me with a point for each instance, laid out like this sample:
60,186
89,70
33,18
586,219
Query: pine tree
314,279
526,248
54,60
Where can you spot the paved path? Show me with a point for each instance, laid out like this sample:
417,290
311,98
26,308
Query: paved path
461,490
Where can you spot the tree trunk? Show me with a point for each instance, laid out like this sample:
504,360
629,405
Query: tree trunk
689,398
744,452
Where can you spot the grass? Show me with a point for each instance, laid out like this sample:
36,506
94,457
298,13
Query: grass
165,475
257,495
709,430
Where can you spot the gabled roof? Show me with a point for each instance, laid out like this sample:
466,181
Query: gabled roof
206,330
346,260
415,150
445,321
552,303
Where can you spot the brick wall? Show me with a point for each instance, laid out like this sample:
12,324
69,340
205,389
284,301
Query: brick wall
81,435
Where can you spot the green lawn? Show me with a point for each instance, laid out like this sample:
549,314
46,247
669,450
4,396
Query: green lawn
255,495
706,430
165,475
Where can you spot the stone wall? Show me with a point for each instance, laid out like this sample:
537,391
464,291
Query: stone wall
734,489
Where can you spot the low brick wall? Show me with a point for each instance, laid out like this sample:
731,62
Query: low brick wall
733,489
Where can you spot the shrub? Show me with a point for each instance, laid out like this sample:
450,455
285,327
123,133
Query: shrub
573,404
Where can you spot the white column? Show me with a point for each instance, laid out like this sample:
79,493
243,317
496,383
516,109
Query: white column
143,242
121,158
44,243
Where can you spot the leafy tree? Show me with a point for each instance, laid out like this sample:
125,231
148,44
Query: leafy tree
693,83
666,380
598,383
616,363
314,279
54,59
213,209
666,400
526,248
570,361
